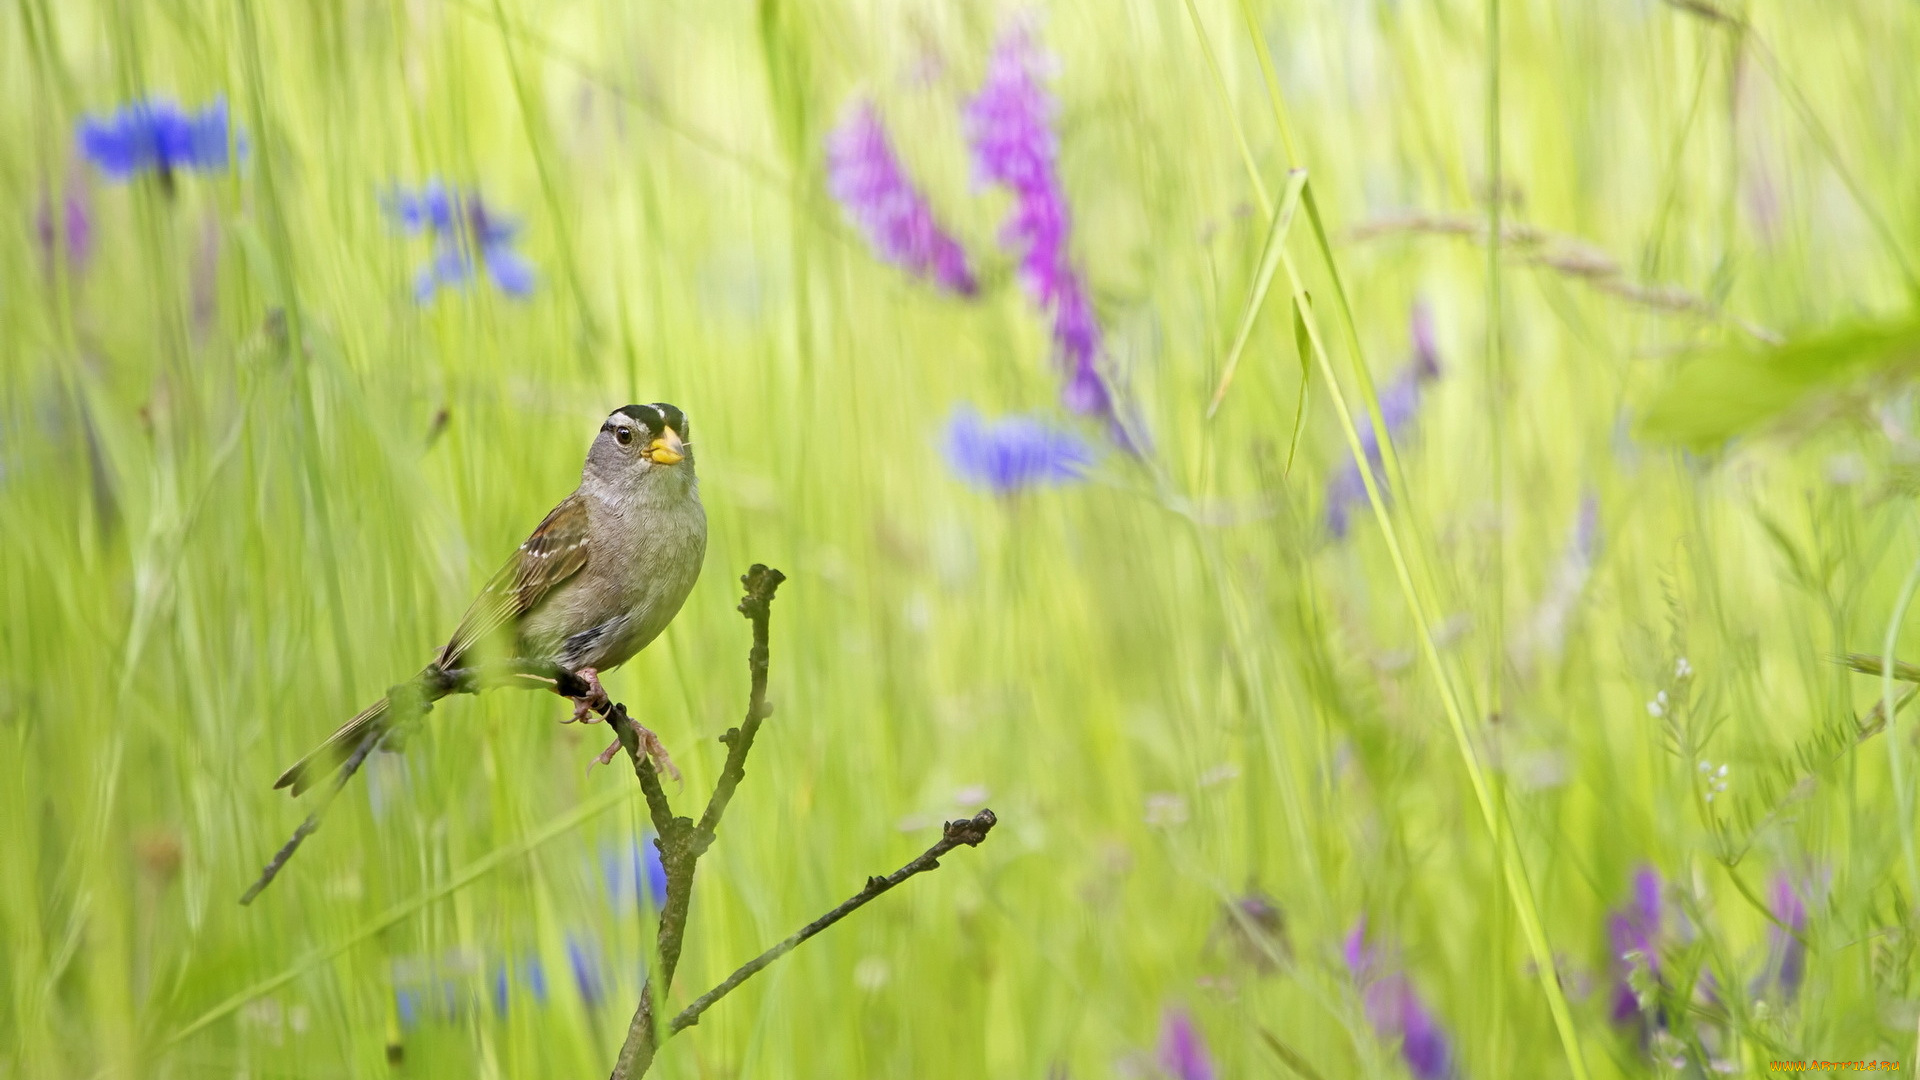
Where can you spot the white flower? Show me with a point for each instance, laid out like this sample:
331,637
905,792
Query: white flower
1682,669
1658,706
871,973
1166,809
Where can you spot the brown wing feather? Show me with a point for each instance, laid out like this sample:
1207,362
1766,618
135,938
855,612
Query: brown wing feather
556,551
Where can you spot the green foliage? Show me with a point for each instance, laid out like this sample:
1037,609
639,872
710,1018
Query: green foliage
1725,392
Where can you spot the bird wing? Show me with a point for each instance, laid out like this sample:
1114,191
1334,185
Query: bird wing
556,551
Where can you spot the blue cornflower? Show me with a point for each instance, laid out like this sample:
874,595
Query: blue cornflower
588,977
627,873
446,987
500,987
1013,452
536,979
154,135
461,227
435,988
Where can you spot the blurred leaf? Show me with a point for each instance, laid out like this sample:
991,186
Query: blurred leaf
1716,395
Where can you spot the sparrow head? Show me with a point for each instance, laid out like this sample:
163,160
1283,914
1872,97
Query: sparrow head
641,441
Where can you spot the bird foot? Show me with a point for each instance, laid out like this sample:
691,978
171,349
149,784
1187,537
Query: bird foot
656,751
595,701
606,756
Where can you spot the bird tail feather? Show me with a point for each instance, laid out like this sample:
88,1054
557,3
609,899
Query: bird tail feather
320,763
322,760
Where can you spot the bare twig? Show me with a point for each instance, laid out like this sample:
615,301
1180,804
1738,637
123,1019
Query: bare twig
968,831
1567,256
643,769
680,840
351,766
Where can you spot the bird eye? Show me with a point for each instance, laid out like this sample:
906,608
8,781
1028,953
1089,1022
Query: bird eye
624,435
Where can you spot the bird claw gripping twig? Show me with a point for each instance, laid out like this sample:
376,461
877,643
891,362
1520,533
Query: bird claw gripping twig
594,701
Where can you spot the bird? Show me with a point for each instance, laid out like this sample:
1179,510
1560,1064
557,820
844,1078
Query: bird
600,578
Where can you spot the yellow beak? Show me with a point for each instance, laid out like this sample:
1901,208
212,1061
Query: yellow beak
666,450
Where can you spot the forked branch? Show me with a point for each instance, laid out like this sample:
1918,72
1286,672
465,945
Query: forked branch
682,842
968,831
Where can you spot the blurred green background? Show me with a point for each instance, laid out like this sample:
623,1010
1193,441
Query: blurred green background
248,479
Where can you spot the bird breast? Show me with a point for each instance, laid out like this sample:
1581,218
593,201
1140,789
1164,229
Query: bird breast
643,559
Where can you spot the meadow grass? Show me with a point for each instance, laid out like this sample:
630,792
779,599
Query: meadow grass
248,480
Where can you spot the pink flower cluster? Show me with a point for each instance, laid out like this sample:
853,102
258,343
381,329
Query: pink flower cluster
1009,126
865,175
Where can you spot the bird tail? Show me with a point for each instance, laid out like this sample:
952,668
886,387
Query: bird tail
320,762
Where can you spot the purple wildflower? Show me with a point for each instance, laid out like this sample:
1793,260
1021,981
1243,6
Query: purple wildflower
1546,631
1399,403
1256,927
74,234
1395,1010
865,174
1010,124
1183,1054
1633,939
1585,545
461,226
205,289
1014,452
1786,952
157,136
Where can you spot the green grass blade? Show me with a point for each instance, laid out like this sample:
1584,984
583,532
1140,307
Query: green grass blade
1263,279
1513,873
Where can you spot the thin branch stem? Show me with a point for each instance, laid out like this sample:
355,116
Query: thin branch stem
969,831
681,841
307,827
1567,256
643,769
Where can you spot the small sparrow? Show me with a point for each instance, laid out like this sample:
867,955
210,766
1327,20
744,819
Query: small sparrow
595,583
